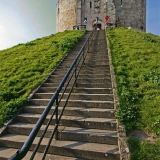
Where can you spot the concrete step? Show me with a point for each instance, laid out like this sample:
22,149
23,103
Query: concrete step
75,149
82,85
83,71
69,133
78,90
74,111
87,66
97,56
82,80
97,75
99,62
71,121
6,153
88,62
75,96
106,75
77,103
96,63
95,85
95,71
94,80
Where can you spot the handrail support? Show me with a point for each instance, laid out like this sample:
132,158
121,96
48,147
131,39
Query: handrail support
57,123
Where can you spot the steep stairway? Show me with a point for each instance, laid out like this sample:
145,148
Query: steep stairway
88,128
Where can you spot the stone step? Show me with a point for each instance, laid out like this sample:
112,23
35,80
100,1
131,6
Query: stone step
86,66
87,69
97,58
96,50
90,65
69,133
75,96
97,63
101,54
75,149
96,85
95,71
97,75
77,90
77,103
6,153
82,80
74,111
105,75
83,71
71,121
82,85
94,80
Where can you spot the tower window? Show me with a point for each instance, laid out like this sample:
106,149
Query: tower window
90,4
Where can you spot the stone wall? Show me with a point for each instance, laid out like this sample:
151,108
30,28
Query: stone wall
111,11
131,13
90,12
66,15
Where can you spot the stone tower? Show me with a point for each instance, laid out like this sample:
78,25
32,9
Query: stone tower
121,13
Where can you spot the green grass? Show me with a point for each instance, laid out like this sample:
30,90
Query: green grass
143,150
25,66
135,57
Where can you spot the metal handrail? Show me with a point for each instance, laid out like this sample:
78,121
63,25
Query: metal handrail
72,73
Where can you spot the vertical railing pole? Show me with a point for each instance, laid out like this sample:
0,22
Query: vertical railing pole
56,134
75,73
83,55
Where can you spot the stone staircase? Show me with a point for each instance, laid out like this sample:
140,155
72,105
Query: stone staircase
88,129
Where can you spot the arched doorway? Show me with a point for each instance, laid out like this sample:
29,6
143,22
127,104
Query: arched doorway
97,25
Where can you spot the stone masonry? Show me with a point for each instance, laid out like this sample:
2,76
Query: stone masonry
122,13
66,15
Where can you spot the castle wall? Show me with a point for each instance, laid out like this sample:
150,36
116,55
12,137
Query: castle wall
111,11
66,15
90,11
131,13
124,13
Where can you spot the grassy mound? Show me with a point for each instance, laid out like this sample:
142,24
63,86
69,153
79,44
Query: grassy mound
25,66
135,57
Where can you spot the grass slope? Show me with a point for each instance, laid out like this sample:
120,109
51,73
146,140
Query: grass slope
135,57
25,66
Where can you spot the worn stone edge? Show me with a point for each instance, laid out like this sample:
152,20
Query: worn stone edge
122,144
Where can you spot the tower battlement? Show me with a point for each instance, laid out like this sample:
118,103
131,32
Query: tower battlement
92,13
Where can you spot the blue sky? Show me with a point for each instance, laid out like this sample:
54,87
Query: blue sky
153,16
25,20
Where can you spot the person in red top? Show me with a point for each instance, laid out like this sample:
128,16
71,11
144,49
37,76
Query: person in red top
107,20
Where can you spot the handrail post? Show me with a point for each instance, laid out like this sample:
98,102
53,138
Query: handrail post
56,134
83,55
88,46
75,73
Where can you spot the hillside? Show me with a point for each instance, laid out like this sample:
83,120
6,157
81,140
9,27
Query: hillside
135,57
25,66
